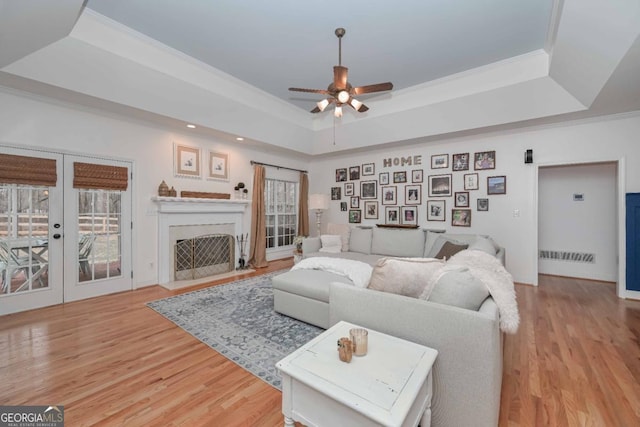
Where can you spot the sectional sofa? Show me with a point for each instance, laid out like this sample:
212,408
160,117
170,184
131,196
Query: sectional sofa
468,370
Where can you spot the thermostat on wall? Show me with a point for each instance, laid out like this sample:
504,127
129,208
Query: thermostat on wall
578,197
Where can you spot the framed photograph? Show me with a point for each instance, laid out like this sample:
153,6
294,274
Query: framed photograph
461,217
461,199
389,195
392,215
341,175
348,189
409,215
186,161
369,189
483,205
436,210
471,181
484,160
440,185
355,216
355,202
460,162
335,193
400,177
384,178
497,184
354,173
416,176
440,161
218,166
413,194
370,210
343,206
368,169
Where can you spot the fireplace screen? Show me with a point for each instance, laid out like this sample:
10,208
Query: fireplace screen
204,256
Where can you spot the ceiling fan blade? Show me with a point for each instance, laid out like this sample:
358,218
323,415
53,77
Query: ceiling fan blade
362,109
340,77
357,105
299,89
379,87
315,110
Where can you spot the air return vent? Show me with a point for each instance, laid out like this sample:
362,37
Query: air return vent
568,256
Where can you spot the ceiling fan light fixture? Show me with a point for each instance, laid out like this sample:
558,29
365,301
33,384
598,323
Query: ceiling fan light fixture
343,96
355,104
338,111
322,104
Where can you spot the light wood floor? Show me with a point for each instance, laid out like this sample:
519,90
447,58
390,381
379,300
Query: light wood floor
112,361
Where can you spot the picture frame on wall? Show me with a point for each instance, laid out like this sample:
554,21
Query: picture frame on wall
186,161
370,210
400,177
440,185
461,199
389,195
343,206
471,181
483,205
436,210
218,166
354,173
383,178
440,161
341,175
460,162
413,194
369,189
497,185
368,169
484,160
409,215
349,189
354,202
392,215
417,176
461,217
335,193
355,216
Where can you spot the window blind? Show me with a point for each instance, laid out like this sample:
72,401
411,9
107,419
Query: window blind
27,170
100,177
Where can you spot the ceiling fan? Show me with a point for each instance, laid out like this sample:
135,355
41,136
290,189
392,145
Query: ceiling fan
340,91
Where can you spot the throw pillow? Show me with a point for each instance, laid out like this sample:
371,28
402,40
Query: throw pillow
331,243
459,288
360,240
410,277
439,242
449,249
483,244
343,230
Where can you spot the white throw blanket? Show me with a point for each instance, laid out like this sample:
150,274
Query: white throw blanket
358,272
497,279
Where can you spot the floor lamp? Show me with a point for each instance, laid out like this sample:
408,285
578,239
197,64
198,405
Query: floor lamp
319,203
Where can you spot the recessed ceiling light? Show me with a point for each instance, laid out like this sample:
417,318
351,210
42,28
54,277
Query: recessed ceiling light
239,138
190,126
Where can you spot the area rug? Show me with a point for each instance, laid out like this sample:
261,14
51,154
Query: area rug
237,320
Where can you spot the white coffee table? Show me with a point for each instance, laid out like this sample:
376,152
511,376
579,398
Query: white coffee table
390,386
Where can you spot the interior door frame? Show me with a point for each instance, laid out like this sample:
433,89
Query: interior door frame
621,283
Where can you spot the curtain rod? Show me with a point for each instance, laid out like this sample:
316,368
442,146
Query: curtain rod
253,162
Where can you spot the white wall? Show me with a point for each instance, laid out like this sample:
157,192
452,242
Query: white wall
587,226
608,139
33,122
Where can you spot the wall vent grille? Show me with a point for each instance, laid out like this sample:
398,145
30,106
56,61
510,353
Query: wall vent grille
568,256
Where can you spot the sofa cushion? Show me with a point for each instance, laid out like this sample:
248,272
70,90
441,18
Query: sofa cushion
343,230
360,240
458,287
398,243
483,244
449,249
439,243
410,277
331,243
356,256
313,284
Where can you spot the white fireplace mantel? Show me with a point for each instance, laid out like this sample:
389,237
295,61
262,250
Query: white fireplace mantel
177,211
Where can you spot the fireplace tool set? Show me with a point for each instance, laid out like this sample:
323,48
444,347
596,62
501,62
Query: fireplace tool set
242,242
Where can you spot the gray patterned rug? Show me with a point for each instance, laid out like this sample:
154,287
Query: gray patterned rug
237,320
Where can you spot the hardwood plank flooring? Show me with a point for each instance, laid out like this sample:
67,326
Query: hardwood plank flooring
112,361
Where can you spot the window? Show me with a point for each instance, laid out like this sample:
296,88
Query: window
281,203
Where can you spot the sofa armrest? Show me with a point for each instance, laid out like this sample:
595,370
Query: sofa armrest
501,256
468,371
311,244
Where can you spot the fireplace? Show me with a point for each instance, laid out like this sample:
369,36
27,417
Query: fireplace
203,256
187,218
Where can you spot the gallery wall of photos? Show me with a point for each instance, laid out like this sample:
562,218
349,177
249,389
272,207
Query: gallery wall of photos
392,197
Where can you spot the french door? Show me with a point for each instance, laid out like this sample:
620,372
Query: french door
62,243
